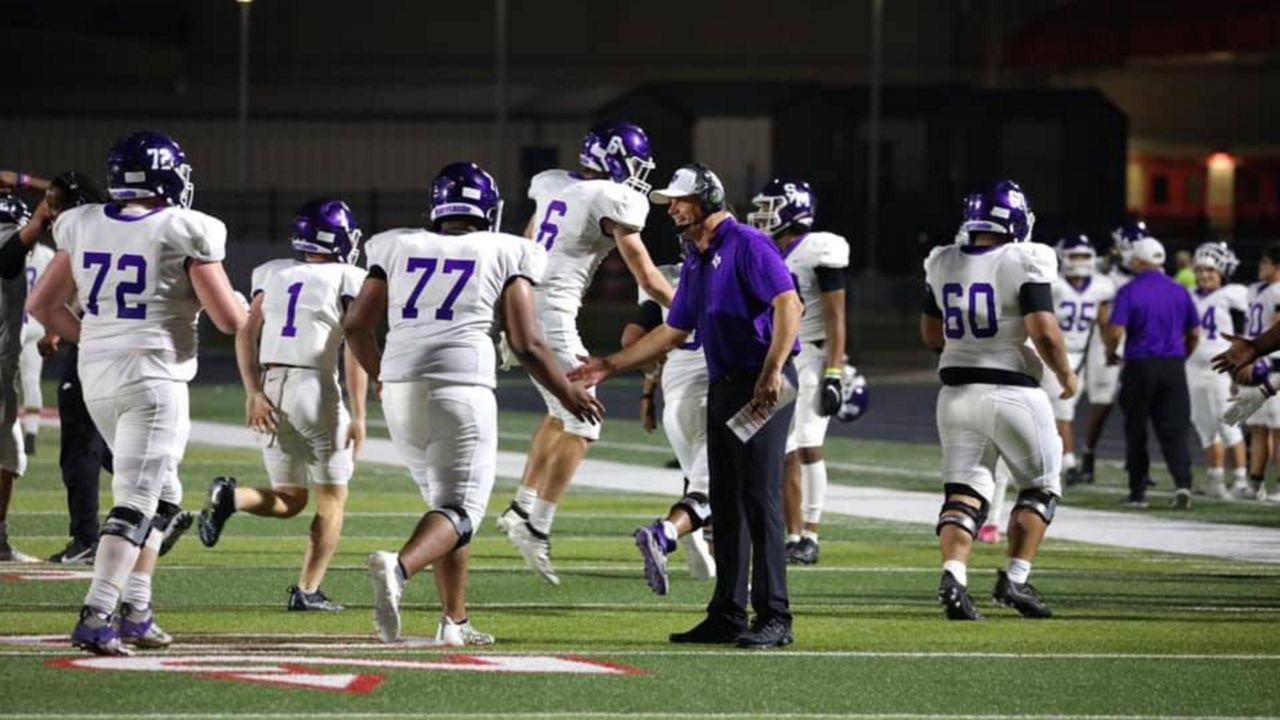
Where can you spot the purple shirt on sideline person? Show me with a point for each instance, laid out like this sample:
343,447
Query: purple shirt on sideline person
1155,312
726,295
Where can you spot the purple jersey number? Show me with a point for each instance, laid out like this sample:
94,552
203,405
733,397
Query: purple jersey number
464,268
981,297
135,286
291,312
548,230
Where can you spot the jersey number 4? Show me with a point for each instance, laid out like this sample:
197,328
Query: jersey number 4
981,310
465,268
134,268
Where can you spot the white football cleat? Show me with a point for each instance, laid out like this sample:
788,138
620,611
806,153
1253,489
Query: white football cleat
702,566
1244,404
1260,493
535,548
1241,490
384,574
1219,490
512,516
461,634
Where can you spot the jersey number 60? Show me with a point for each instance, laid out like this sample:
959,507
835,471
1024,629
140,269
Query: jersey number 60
981,310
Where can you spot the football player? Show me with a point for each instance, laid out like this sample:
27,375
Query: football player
288,353
142,268
1102,380
1221,307
579,218
986,295
1264,425
440,291
684,382
818,261
31,362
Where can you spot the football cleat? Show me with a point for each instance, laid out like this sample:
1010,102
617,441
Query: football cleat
138,628
9,553
178,526
702,566
955,599
460,634
317,601
535,548
1181,499
1240,489
789,549
762,635
1219,490
1086,469
654,546
219,505
388,588
96,632
1022,597
989,534
75,553
805,552
1072,477
512,516
29,443
1259,493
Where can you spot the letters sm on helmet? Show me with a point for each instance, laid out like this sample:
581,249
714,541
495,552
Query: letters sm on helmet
1002,210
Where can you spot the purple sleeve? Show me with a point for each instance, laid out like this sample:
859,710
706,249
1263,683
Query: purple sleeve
766,272
1120,309
683,314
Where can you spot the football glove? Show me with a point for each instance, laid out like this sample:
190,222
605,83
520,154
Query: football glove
831,394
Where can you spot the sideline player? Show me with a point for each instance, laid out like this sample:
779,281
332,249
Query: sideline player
684,382
986,295
579,218
1221,307
818,261
288,353
440,291
31,362
1263,425
1102,381
142,267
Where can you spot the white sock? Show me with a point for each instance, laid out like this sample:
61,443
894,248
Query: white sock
541,515
810,534
111,568
958,570
793,537
1069,461
1018,570
137,590
30,424
525,497
1216,475
669,529
813,494
1240,474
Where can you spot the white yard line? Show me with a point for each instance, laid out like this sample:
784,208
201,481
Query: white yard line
559,714
1120,529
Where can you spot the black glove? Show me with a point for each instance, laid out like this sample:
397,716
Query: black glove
831,395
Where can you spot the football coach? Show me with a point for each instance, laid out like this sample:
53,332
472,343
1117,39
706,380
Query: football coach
736,294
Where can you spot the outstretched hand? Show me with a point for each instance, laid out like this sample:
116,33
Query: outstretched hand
592,371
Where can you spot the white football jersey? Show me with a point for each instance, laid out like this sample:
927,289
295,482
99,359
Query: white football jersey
977,290
567,224
686,365
443,292
1264,301
130,272
1214,310
1077,308
814,250
1119,278
37,260
302,308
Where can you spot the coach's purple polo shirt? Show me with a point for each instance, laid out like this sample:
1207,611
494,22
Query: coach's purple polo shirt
1155,312
726,295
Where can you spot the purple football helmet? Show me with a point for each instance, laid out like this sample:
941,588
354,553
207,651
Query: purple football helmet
13,210
783,203
621,151
857,398
149,164
1125,235
1076,256
326,226
1002,210
464,189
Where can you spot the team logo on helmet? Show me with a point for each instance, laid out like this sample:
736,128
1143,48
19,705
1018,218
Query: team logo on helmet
1002,210
326,226
782,204
621,151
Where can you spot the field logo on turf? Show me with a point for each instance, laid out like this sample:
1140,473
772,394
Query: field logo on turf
298,671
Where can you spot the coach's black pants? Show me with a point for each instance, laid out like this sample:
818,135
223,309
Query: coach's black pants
1156,388
83,454
746,503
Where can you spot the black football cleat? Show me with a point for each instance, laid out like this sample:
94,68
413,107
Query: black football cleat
1086,469
804,552
317,601
219,505
955,599
178,526
1022,597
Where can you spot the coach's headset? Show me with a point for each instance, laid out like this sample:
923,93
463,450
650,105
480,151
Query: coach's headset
709,188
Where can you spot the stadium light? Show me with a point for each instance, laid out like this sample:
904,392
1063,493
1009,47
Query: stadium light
1222,161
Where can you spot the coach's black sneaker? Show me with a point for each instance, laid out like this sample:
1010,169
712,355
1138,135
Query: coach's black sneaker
219,505
179,525
1086,469
1181,499
955,599
77,552
804,552
715,630
1022,597
771,633
300,601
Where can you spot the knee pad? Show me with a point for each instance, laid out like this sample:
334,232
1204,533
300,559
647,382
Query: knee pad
1040,502
697,506
165,513
127,523
969,518
460,520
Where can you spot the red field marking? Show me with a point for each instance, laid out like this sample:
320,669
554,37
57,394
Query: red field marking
47,575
